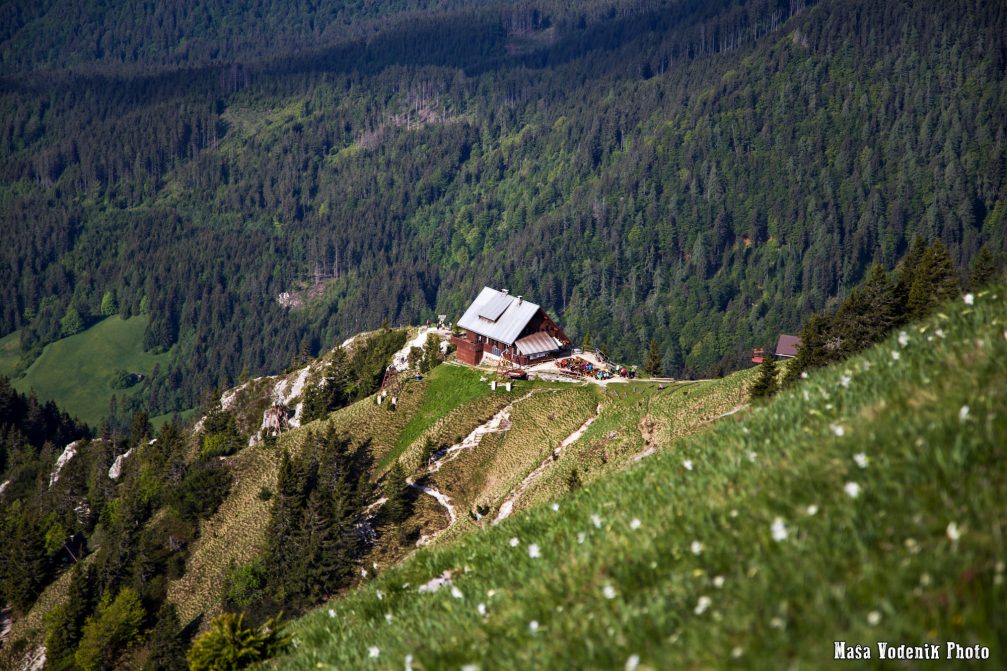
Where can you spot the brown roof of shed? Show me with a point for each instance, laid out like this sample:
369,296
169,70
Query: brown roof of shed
537,343
787,346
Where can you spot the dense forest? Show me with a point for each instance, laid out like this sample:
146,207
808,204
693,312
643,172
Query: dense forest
115,514
699,174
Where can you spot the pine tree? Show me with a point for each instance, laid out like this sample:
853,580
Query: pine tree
867,314
906,274
813,351
654,363
934,282
166,643
26,564
397,507
984,270
65,624
765,385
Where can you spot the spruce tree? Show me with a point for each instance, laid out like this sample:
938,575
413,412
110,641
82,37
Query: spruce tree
397,508
653,365
765,385
984,270
934,282
813,351
166,643
65,623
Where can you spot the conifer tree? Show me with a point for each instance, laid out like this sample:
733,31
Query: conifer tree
812,352
653,365
397,508
984,270
108,305
765,385
934,282
166,643
66,623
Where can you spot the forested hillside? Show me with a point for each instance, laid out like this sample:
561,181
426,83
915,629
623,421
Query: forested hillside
703,174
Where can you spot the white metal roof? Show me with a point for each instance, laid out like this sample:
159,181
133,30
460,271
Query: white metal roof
512,315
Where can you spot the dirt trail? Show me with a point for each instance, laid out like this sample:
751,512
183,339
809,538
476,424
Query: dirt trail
498,423
507,507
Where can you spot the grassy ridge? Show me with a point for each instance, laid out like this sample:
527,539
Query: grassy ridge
862,505
77,372
448,387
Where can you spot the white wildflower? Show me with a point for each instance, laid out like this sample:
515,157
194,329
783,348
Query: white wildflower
363,572
838,429
779,530
688,464
596,521
409,663
861,459
874,618
533,551
718,581
378,593
514,542
632,663
533,626
811,510
733,513
939,333
852,489
903,338
925,579
388,618
752,456
634,524
701,605
963,414
953,532
845,380
895,355
969,299
456,593
609,592
470,667
696,548
481,609
373,652
555,507
804,375
332,613
581,537
737,652
776,623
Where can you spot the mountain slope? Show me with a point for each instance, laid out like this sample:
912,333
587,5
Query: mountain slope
861,505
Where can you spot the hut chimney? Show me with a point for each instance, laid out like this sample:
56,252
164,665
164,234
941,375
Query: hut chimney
505,291
519,299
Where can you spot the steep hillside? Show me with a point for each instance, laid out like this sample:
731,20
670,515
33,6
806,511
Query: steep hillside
863,504
490,454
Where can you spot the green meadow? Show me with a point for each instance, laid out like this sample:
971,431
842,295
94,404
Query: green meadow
10,353
864,504
77,371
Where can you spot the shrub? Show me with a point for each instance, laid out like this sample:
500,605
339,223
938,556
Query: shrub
229,645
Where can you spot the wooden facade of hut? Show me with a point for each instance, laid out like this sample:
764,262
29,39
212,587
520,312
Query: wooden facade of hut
509,327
